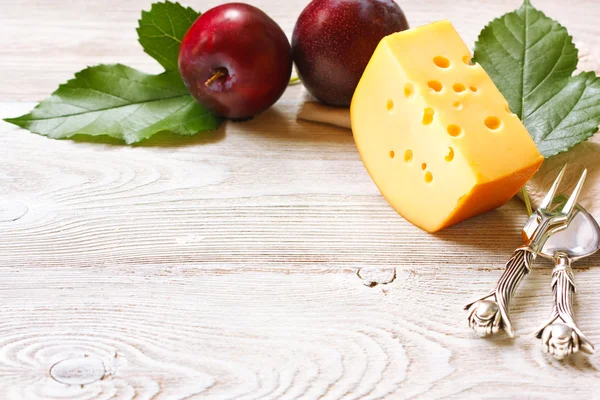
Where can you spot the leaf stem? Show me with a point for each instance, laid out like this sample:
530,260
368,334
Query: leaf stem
294,81
527,201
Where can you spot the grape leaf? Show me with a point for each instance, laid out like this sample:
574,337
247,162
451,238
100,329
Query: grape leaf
121,102
161,30
531,59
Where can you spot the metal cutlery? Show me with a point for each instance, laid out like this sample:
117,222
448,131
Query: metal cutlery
560,335
490,313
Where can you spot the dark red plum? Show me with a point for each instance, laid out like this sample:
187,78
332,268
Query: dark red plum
235,60
334,40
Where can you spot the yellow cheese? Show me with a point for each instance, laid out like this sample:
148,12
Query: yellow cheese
434,132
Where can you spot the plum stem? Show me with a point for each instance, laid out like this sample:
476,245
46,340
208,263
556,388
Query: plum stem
218,74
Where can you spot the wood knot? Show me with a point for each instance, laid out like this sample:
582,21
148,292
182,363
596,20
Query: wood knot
12,210
78,370
374,276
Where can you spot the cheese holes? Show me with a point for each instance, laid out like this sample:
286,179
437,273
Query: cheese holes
508,110
424,166
493,123
454,130
409,90
392,154
457,105
473,88
441,61
428,116
467,60
408,155
436,86
449,155
428,177
389,105
459,87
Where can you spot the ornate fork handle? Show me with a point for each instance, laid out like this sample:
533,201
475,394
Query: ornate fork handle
560,335
490,313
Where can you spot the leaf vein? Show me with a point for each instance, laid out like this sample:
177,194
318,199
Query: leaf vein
107,108
556,63
571,110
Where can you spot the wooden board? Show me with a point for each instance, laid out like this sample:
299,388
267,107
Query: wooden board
259,263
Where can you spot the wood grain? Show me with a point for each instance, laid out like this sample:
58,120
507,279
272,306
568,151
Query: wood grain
242,265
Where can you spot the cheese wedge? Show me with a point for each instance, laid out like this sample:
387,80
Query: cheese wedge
434,132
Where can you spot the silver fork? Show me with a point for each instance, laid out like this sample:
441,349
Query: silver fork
490,313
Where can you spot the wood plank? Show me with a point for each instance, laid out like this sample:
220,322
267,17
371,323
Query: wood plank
172,332
305,202
44,43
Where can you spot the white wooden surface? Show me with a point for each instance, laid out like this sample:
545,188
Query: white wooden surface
261,264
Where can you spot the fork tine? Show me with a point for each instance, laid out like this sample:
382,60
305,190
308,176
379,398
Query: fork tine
570,205
552,192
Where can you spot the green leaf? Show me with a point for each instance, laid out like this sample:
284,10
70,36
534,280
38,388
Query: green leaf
161,30
121,102
531,59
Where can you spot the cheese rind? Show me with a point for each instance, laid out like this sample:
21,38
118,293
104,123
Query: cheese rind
434,132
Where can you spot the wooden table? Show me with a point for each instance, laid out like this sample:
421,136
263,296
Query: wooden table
262,263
